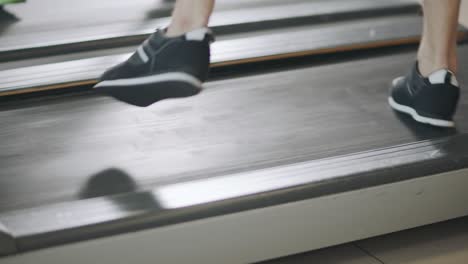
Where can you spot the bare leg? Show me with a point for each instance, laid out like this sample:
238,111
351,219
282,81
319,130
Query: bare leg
438,45
189,15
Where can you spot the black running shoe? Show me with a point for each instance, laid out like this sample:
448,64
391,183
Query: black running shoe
432,100
162,67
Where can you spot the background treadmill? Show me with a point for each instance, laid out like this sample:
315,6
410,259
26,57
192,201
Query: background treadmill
277,156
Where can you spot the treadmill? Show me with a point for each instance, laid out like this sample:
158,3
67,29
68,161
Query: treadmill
290,147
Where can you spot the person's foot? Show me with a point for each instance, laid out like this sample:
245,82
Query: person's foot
162,67
432,100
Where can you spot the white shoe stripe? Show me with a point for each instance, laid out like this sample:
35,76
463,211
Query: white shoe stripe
165,77
438,77
396,80
142,54
417,117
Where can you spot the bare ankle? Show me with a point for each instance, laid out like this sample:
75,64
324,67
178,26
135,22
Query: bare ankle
177,28
430,63
426,68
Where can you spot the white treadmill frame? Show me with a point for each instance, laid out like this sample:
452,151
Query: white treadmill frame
277,231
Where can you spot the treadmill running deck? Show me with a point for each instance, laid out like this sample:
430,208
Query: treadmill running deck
82,146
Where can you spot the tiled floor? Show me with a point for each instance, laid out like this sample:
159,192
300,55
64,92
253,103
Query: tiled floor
443,243
344,254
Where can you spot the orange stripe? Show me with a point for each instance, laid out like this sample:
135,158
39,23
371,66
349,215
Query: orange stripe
360,46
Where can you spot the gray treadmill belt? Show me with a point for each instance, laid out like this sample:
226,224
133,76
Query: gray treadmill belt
288,42
309,131
90,24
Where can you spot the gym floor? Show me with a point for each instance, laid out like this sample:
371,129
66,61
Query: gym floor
442,243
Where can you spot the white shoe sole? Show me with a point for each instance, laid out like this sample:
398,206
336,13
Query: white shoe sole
144,91
426,120
165,77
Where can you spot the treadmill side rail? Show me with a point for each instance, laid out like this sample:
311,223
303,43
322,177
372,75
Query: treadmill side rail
307,225
7,241
185,202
